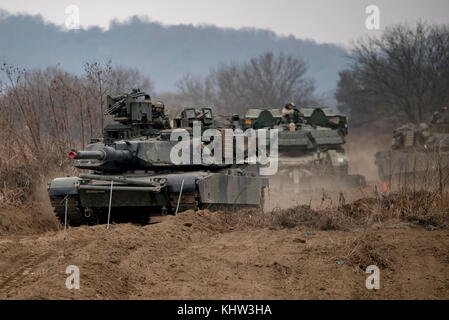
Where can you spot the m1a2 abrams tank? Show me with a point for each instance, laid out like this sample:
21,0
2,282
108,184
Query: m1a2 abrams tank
133,176
419,153
310,146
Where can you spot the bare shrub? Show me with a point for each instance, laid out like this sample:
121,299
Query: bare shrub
368,250
45,113
423,208
299,216
399,77
266,80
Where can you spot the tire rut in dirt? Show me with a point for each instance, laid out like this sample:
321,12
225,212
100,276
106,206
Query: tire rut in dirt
29,265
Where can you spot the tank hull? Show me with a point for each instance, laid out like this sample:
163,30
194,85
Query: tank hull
313,169
136,197
411,167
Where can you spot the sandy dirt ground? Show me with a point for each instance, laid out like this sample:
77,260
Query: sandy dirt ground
317,197
204,255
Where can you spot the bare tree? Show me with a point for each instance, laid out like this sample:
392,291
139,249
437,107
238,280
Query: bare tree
195,90
98,76
401,76
266,80
44,113
124,79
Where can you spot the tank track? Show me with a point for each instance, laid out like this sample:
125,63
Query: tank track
77,215
189,201
74,214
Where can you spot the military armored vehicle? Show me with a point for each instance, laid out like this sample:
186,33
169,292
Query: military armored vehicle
208,119
310,146
133,177
187,116
419,153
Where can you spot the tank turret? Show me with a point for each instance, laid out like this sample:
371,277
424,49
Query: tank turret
418,151
310,145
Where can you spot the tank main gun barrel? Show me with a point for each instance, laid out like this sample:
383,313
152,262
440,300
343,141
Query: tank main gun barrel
105,154
97,155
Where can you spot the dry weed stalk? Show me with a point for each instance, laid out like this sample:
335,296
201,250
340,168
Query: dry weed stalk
45,113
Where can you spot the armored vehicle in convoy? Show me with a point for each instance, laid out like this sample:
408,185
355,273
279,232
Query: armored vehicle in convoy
310,146
419,153
132,175
188,116
208,119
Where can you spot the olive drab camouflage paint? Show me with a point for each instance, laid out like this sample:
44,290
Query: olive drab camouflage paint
133,159
419,153
310,146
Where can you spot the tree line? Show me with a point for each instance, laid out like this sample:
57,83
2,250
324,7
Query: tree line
401,76
263,81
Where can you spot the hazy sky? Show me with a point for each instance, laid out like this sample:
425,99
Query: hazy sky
322,20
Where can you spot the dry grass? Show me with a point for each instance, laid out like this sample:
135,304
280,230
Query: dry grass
299,216
423,207
44,114
23,175
430,209
367,248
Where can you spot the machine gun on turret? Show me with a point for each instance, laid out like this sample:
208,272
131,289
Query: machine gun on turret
133,116
120,101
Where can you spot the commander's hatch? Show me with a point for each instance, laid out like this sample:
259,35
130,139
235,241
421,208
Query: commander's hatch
189,115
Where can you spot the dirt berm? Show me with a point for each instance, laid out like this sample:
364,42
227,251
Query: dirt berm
217,256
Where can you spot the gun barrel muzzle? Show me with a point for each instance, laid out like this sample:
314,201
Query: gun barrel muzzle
97,155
